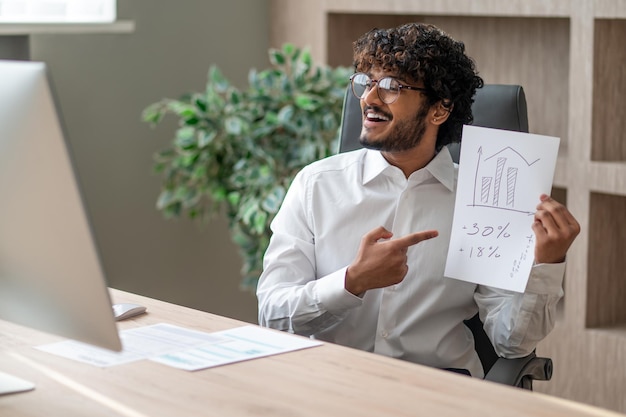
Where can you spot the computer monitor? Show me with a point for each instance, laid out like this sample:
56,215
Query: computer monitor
51,278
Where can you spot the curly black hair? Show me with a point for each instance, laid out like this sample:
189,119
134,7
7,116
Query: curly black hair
423,52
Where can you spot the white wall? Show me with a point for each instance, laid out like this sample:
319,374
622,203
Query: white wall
103,82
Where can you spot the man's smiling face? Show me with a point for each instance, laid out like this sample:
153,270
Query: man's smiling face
394,127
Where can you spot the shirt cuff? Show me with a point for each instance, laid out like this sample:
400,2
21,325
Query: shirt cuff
332,294
546,279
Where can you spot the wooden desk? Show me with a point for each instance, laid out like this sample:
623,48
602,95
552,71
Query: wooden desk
324,381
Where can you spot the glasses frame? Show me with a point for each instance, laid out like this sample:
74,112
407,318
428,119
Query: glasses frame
377,82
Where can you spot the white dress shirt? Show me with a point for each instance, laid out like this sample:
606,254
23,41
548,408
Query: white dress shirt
330,205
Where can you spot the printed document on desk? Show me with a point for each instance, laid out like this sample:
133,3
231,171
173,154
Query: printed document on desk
502,174
235,345
184,348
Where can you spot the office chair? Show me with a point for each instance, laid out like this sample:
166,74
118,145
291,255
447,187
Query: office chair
495,106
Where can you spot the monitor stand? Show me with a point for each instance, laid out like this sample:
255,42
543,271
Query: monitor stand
10,384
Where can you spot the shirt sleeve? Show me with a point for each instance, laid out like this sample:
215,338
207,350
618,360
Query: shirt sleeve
516,322
290,294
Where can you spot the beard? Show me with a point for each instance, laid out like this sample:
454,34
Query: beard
406,134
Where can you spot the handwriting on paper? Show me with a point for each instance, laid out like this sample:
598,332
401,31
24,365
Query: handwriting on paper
501,176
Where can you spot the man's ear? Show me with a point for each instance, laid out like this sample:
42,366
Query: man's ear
441,112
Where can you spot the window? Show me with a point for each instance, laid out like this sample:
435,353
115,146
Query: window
57,11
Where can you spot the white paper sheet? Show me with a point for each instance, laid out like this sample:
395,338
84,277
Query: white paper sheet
235,345
184,348
501,176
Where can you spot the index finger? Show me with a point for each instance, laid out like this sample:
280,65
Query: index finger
413,238
560,214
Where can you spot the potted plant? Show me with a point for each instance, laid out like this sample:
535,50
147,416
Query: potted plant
238,150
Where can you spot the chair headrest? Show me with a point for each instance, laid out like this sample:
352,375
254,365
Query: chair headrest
501,106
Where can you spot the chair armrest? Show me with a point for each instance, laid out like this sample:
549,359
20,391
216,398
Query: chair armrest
520,372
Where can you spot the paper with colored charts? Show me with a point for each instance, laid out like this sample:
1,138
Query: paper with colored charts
184,348
501,177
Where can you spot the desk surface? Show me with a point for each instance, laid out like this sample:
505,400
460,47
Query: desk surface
328,380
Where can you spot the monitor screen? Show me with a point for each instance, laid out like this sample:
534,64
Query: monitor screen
51,278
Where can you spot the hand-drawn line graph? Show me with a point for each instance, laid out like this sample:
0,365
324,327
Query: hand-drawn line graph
490,172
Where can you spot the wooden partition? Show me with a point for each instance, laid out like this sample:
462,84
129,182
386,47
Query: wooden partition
569,56
609,85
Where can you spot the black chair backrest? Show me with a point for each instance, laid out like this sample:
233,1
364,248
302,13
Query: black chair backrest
497,106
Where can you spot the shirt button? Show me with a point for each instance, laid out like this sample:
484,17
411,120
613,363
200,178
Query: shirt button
384,334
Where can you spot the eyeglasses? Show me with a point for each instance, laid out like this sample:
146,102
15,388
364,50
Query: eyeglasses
388,88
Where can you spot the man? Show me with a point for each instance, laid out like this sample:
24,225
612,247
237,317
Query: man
360,243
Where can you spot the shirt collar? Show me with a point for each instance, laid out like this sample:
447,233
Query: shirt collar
441,167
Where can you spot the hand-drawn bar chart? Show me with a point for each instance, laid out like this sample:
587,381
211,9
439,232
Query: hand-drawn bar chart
497,176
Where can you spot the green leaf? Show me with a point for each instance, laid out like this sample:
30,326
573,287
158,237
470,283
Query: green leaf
165,199
289,49
172,210
159,167
274,199
219,194
205,138
277,57
285,114
233,126
253,78
235,97
240,180
271,117
217,79
260,222
240,165
181,109
306,102
199,172
201,103
239,238
185,137
153,113
306,58
265,171
234,198
248,211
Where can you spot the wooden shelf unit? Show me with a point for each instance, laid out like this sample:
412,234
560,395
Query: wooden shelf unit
570,58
